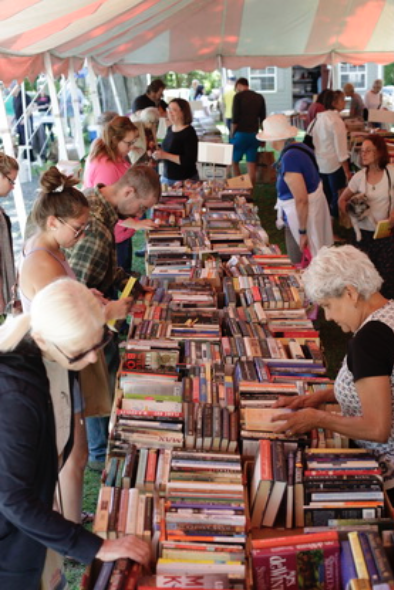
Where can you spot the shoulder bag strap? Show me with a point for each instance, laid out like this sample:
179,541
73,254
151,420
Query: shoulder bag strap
298,146
390,189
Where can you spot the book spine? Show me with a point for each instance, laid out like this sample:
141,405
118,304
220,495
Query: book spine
383,566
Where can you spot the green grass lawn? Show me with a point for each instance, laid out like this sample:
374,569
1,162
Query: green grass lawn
333,340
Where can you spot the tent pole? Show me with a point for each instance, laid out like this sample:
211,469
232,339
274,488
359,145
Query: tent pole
77,114
94,97
5,133
55,108
115,92
26,145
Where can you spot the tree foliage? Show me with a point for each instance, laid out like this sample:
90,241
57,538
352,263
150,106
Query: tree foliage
388,77
209,80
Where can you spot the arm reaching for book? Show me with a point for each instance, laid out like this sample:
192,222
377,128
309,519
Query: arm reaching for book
305,401
374,423
130,547
118,310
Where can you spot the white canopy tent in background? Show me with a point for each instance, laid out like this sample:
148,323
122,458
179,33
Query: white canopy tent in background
132,37
155,36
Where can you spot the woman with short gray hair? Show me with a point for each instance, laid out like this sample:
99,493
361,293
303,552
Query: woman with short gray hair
344,282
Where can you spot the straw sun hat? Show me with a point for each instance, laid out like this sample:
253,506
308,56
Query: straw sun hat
275,128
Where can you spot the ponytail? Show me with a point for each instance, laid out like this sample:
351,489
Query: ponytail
13,331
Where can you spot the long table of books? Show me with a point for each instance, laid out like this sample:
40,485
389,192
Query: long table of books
194,463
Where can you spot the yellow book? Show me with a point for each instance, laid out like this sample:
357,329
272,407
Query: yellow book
125,293
382,230
358,556
359,584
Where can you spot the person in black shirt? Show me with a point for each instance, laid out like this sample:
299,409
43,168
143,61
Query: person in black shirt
346,284
152,98
249,113
180,145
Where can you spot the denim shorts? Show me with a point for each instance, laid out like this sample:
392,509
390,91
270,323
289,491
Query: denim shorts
244,143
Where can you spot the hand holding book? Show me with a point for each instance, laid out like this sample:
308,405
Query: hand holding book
130,547
298,422
306,401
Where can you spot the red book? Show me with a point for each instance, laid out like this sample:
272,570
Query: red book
317,564
261,482
294,540
340,472
150,474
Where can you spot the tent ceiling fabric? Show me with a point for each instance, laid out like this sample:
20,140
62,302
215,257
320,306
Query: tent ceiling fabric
140,36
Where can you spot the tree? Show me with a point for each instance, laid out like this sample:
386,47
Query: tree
388,77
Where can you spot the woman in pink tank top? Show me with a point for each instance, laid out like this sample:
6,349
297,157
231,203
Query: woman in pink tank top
107,162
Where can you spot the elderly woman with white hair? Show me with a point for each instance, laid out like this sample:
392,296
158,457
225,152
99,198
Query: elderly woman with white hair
346,284
66,325
146,122
302,206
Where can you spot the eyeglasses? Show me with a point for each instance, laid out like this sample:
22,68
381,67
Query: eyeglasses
130,143
12,182
367,151
107,336
77,232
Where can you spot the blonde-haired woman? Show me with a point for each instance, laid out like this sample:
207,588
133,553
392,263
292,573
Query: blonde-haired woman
107,162
8,172
66,325
60,217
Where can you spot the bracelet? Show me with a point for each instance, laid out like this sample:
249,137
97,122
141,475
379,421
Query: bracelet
302,232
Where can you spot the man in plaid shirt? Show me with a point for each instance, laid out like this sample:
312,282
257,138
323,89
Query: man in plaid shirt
93,260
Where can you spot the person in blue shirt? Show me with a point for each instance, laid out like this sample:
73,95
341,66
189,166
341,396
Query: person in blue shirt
302,206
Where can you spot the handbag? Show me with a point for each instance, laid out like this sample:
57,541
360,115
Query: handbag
95,387
308,137
14,305
305,259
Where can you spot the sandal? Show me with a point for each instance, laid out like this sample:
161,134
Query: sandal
86,517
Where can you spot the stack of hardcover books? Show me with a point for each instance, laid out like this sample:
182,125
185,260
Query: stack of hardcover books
300,561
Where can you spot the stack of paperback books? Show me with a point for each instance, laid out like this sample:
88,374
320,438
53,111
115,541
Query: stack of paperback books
205,516
341,483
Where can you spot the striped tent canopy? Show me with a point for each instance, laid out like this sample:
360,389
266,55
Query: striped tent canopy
140,36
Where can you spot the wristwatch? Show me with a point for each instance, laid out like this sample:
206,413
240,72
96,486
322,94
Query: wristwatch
302,232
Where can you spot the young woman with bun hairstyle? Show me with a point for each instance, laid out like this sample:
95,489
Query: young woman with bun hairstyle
8,172
60,217
65,326
107,162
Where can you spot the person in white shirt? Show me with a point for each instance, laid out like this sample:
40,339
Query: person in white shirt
330,142
376,182
373,98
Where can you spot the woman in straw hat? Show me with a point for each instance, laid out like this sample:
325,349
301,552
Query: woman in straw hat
302,206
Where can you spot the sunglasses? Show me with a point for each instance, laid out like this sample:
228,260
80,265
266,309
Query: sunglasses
107,337
77,232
